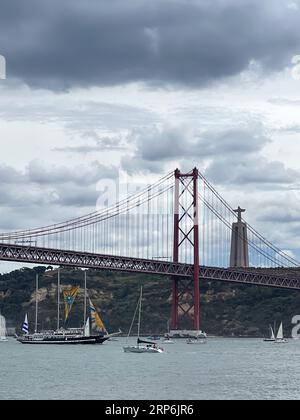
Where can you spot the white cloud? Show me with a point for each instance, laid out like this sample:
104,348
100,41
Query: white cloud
293,6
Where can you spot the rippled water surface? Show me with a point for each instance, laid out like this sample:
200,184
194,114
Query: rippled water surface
221,369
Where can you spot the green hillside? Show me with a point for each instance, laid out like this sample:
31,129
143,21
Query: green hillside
227,310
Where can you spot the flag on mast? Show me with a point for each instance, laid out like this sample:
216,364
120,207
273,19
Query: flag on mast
25,326
69,298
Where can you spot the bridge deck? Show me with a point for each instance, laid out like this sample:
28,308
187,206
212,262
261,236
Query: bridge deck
37,255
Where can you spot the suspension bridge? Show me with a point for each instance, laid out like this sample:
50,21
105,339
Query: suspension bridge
179,227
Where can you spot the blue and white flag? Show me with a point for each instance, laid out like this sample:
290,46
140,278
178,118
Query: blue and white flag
25,326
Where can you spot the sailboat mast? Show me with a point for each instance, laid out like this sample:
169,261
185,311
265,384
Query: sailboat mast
58,298
85,298
140,312
36,303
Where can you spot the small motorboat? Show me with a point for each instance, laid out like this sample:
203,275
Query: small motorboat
143,347
196,341
168,341
154,338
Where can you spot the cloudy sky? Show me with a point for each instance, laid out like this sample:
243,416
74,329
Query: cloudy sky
136,88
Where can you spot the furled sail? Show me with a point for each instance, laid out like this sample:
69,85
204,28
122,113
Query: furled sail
87,332
69,298
97,323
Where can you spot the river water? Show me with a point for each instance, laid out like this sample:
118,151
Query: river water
221,369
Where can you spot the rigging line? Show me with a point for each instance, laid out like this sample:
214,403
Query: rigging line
133,319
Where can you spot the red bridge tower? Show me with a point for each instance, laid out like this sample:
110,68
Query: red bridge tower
186,295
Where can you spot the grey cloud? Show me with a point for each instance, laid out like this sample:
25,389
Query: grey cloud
280,215
284,102
133,165
236,158
160,144
9,175
290,129
99,144
76,116
168,143
80,175
78,149
250,170
42,194
63,44
75,196
230,156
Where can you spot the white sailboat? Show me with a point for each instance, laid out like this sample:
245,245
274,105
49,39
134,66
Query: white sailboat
272,338
280,337
3,331
168,340
142,345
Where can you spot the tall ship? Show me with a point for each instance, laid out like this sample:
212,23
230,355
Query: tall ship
93,331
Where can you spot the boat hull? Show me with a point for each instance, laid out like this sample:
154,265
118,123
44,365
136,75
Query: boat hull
196,342
186,334
64,340
138,350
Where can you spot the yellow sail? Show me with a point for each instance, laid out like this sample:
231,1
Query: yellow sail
69,298
97,323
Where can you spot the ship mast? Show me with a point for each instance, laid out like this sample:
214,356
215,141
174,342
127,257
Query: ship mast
58,298
140,313
36,303
85,298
